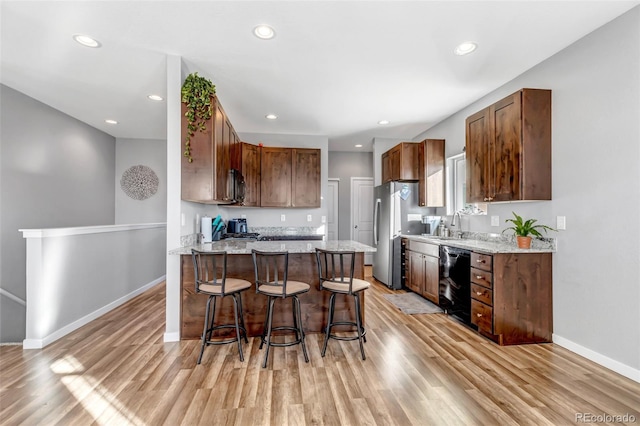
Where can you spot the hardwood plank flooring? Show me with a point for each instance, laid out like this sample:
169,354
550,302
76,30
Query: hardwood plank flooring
420,370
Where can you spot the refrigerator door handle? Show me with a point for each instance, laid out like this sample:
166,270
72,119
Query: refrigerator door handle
375,220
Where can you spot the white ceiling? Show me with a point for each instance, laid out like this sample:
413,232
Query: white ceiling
335,68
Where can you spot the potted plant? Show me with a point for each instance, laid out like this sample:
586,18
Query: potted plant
523,230
197,93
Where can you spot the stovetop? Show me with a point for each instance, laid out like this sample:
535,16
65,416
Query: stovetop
240,236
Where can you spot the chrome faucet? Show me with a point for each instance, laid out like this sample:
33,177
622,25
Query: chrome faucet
457,233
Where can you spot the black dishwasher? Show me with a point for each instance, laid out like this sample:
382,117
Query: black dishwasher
455,282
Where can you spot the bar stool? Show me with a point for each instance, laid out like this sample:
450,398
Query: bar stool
271,269
210,275
335,269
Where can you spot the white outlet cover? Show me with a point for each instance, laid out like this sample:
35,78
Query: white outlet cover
323,219
309,218
561,222
282,218
495,220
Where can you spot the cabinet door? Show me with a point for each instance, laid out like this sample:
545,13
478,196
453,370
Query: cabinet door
416,272
305,178
223,164
431,278
250,159
198,178
386,167
478,156
507,152
275,172
394,162
409,167
431,173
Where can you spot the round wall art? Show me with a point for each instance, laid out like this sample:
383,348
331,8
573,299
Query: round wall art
139,182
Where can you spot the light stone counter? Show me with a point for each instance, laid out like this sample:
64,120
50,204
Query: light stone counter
488,243
245,247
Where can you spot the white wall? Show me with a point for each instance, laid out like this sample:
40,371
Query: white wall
146,152
595,87
294,216
56,172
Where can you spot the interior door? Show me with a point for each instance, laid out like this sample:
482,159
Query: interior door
362,213
333,218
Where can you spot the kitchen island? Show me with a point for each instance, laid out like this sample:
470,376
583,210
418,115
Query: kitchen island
302,267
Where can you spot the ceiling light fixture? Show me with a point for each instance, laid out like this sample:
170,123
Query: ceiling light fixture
383,122
264,32
155,97
109,121
270,116
465,48
358,145
86,40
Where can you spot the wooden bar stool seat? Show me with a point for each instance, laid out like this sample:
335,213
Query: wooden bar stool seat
210,269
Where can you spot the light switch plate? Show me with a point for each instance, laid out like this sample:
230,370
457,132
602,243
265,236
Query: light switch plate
309,218
495,220
282,218
561,222
323,219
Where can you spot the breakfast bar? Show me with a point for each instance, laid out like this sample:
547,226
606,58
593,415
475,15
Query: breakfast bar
302,267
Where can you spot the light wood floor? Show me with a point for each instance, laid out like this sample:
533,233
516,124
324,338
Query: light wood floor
420,370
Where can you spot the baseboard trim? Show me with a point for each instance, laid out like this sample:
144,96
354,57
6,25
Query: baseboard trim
172,337
41,343
611,364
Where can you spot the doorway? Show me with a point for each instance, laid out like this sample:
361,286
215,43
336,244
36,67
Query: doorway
362,213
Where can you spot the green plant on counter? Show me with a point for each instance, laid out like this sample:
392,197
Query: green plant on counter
524,228
196,94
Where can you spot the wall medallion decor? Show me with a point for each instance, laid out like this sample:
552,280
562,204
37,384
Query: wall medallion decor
139,182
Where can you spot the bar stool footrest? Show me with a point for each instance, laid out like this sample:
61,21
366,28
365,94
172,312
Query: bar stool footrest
346,338
243,333
280,345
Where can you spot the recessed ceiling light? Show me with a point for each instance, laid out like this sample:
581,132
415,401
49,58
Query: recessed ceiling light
270,116
358,145
109,121
465,48
383,122
264,32
86,40
155,97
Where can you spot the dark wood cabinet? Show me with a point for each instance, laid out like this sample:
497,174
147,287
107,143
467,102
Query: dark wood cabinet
423,266
275,177
431,173
246,158
511,297
305,178
508,147
401,163
206,179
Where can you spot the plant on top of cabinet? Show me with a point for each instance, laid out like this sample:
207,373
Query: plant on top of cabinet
197,93
524,228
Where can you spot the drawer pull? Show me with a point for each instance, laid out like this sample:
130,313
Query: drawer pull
478,293
479,277
478,315
479,261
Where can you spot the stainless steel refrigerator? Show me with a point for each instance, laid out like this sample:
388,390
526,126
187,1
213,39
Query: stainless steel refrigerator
395,212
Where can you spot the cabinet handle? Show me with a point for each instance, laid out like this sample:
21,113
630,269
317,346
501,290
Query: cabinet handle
478,315
479,277
478,293
479,261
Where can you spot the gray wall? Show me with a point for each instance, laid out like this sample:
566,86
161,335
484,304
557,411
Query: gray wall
55,172
146,152
344,166
596,170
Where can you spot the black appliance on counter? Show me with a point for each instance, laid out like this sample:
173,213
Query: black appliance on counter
306,237
246,236
455,282
237,226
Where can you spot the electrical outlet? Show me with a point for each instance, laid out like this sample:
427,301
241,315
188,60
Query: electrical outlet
282,218
561,222
243,216
323,219
309,218
495,220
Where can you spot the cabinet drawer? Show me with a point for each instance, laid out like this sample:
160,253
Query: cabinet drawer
482,261
482,294
482,278
424,248
482,316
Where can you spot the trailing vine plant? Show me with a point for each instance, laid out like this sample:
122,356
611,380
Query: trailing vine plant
196,94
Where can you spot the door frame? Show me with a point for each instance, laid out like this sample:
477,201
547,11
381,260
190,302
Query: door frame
336,206
368,256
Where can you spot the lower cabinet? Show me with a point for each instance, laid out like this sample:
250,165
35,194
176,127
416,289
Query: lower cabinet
423,266
511,297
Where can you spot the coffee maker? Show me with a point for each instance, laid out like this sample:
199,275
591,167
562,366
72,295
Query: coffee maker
237,226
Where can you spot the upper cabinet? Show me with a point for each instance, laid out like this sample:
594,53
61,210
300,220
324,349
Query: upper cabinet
401,163
508,148
246,158
290,177
431,173
206,179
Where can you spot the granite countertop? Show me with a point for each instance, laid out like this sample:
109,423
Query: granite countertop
245,247
488,244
